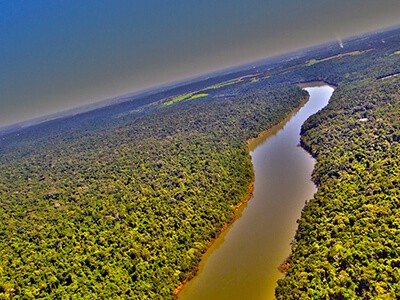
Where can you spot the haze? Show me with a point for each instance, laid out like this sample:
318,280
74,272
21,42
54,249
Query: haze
56,55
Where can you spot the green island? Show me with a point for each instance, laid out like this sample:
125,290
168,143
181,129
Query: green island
113,205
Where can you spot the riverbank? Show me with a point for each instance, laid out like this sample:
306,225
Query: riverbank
261,137
248,196
346,243
284,266
243,262
316,83
252,144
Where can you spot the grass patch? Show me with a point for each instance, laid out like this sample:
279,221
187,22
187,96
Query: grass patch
233,81
198,96
316,61
188,96
194,95
222,84
178,99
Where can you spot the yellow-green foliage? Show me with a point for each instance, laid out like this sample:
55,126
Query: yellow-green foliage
125,208
188,96
346,246
223,84
122,206
198,96
315,61
178,99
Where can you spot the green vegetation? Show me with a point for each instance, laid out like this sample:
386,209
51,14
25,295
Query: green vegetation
126,209
251,78
215,87
198,96
121,202
346,246
188,96
315,61
178,99
347,243
397,52
223,84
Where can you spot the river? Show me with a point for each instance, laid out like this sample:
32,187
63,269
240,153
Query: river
243,262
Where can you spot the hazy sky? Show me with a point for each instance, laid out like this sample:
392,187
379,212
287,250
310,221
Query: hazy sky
56,55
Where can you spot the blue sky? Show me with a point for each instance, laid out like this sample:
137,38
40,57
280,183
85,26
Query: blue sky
56,55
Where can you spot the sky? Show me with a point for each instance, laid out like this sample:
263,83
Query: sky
59,54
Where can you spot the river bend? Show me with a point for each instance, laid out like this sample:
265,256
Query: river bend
243,262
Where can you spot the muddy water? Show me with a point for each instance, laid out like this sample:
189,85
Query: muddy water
243,262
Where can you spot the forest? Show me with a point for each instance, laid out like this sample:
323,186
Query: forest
126,210
347,242
121,202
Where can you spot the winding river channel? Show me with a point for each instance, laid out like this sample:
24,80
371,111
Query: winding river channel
243,262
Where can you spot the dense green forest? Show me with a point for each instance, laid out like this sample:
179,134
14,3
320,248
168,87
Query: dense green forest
121,202
127,210
347,243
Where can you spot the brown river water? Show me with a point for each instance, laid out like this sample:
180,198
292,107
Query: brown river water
243,262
